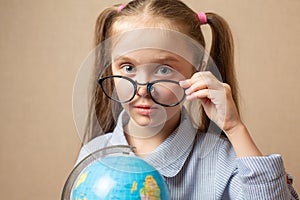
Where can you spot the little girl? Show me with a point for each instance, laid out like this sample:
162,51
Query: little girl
177,105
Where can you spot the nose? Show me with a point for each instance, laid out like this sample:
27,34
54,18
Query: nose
142,89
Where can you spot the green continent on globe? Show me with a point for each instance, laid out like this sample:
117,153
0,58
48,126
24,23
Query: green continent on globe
150,191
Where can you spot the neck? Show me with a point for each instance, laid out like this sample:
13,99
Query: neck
148,138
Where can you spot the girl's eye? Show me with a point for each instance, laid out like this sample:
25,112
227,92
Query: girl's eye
164,70
128,68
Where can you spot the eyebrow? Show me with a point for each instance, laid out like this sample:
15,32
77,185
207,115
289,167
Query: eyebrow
158,59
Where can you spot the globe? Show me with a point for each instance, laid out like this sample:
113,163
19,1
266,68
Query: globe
113,176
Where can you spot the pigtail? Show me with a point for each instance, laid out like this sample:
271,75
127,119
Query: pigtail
222,51
100,112
102,32
222,54
103,24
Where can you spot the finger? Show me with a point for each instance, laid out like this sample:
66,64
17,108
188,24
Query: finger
196,77
200,94
199,85
211,81
202,77
185,83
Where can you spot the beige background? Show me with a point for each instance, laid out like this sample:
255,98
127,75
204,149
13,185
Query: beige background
43,43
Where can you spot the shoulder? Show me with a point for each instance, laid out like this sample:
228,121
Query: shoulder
213,150
93,145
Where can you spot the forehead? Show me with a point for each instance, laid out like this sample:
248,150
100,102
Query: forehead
129,23
152,56
141,55
166,42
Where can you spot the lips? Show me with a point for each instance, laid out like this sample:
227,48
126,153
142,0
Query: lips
144,109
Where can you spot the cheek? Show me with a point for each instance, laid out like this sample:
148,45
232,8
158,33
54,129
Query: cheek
124,89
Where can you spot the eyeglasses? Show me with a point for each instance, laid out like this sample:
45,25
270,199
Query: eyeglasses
122,89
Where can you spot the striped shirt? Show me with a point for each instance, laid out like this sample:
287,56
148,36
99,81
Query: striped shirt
204,165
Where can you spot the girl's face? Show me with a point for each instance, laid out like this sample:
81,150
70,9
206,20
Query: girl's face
144,66
148,51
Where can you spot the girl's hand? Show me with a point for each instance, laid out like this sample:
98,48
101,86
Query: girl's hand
216,99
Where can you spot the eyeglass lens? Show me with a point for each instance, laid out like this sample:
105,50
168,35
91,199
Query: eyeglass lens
164,92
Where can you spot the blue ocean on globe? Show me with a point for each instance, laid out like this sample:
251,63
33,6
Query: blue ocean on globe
120,177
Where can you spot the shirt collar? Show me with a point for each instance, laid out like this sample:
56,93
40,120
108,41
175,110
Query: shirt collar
169,157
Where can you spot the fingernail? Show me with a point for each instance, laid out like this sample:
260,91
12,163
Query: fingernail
188,91
181,83
184,83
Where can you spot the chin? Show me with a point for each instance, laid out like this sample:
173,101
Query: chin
144,121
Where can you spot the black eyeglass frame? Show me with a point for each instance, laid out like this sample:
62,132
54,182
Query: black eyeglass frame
135,84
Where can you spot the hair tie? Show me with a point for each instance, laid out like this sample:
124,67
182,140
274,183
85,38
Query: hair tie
120,8
202,18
